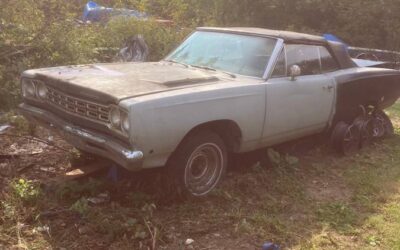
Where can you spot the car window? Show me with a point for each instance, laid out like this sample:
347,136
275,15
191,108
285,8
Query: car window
328,63
238,54
280,67
305,56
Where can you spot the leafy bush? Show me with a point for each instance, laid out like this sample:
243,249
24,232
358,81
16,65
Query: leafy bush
20,123
37,34
81,207
160,39
25,190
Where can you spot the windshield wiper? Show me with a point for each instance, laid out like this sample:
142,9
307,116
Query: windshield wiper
212,69
173,61
200,67
203,67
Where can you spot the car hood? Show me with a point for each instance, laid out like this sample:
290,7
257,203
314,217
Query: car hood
118,81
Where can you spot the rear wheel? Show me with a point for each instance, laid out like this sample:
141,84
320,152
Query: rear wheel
346,138
198,164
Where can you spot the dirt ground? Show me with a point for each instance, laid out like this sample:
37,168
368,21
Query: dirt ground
317,200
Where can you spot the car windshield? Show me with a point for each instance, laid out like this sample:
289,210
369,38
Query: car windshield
238,54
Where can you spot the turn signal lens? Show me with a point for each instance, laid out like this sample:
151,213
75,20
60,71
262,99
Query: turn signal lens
115,117
125,126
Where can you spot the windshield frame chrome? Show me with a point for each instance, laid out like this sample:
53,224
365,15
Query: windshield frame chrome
274,59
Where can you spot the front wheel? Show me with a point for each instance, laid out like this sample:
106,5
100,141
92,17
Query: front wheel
198,164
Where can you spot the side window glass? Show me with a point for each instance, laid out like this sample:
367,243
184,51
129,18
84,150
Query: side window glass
280,67
328,63
306,57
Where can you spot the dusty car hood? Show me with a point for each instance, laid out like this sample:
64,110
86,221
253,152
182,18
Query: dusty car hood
123,80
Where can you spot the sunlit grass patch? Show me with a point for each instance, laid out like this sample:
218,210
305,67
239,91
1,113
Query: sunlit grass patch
340,216
382,229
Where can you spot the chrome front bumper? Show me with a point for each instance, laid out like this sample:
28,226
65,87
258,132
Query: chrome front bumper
85,140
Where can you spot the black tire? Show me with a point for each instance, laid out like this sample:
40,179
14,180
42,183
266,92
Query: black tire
365,127
337,134
198,164
383,122
346,138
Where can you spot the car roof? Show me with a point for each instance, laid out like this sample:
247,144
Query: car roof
288,36
338,50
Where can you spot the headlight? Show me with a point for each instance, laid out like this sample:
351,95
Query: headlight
28,88
115,117
41,90
125,126
119,120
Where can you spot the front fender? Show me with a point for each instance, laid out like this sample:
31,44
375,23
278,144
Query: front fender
161,122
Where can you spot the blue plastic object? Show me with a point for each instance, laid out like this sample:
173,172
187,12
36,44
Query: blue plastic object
113,174
94,12
331,37
270,246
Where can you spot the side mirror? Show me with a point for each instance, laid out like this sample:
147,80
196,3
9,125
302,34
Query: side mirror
294,71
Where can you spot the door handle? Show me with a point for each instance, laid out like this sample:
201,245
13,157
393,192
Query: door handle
329,87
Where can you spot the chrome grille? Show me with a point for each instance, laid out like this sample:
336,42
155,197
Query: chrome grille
73,105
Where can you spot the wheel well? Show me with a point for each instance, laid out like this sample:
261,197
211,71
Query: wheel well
229,131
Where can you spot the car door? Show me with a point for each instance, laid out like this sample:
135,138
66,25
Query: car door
304,105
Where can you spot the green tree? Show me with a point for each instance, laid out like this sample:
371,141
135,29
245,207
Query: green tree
45,33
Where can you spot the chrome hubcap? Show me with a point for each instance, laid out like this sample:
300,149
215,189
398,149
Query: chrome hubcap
203,169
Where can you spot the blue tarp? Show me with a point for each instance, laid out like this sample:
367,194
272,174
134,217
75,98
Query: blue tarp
97,13
331,37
